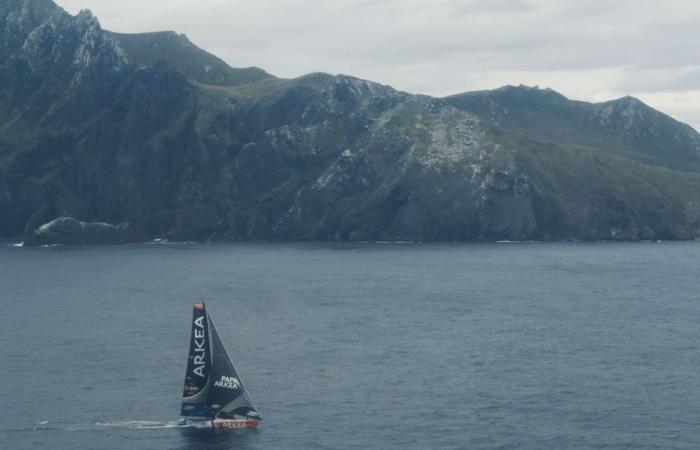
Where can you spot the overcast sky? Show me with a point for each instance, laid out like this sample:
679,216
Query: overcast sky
592,50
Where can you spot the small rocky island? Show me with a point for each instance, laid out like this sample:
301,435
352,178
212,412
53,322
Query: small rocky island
66,230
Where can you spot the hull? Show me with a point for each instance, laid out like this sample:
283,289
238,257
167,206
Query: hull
218,423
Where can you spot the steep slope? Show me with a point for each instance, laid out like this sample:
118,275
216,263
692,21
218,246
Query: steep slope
344,158
71,107
147,49
107,128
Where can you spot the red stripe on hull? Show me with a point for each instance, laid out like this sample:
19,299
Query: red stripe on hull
248,423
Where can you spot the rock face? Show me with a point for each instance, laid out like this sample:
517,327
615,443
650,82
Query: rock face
150,130
66,230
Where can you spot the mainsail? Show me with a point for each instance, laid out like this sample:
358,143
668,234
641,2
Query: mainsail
212,385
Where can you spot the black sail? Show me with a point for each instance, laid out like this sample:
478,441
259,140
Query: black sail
226,392
197,377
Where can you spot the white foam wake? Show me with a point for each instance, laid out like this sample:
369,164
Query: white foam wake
138,424
45,425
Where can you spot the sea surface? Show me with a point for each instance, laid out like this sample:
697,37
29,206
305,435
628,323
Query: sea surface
357,346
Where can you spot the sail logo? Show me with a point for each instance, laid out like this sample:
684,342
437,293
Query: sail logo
199,352
228,382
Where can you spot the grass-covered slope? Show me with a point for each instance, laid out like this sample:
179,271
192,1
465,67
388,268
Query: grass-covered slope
624,126
147,49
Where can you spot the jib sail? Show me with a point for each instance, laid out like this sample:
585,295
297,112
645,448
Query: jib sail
227,392
212,385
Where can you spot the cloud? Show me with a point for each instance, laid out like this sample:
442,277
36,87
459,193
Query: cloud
587,50
679,80
681,106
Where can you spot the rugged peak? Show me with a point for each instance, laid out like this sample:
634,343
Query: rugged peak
627,102
512,95
363,87
627,110
630,99
19,17
520,87
95,47
54,46
86,19
532,92
24,9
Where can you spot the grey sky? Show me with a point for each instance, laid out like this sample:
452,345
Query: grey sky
589,49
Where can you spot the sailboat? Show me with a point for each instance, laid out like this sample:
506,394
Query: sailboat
214,395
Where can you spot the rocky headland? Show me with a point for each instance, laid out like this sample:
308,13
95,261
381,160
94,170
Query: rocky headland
148,129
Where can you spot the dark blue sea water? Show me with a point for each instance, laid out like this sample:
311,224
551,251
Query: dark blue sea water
358,346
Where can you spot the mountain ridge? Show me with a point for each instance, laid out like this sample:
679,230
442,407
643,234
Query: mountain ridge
106,128
146,49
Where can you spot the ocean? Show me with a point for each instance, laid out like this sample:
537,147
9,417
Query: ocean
356,345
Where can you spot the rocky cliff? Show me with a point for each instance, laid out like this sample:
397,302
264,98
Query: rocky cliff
148,129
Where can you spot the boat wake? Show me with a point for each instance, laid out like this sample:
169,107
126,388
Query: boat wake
46,425
138,424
